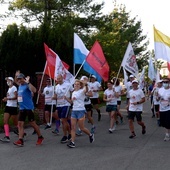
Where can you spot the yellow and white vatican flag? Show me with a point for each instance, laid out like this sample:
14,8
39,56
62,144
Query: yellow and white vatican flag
162,45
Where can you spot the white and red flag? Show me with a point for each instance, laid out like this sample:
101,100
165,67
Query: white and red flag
129,61
97,61
54,66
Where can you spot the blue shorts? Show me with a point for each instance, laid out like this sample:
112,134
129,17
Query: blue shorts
63,112
78,114
110,108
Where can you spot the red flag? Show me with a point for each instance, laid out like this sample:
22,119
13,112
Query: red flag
97,61
51,62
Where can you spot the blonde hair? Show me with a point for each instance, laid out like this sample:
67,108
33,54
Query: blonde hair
81,83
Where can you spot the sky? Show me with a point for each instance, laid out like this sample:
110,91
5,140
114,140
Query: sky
150,12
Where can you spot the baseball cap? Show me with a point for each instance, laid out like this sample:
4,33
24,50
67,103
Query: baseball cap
84,77
131,76
135,81
93,76
9,78
20,76
159,81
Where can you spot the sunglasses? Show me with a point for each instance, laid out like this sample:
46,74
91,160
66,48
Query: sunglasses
165,81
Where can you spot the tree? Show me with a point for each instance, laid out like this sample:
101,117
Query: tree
114,33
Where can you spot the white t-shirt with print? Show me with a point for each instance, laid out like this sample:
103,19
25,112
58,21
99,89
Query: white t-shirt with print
61,91
110,94
48,93
118,89
155,94
94,86
128,88
78,100
164,95
136,96
10,94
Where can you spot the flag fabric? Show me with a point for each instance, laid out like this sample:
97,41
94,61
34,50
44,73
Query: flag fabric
129,61
161,45
142,79
168,66
157,76
61,70
52,59
125,77
151,70
97,61
80,51
80,54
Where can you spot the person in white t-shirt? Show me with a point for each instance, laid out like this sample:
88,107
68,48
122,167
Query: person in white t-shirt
155,101
135,108
128,87
10,108
63,106
50,105
110,97
118,89
88,106
164,107
78,111
95,87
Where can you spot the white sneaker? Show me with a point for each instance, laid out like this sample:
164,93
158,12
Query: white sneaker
167,138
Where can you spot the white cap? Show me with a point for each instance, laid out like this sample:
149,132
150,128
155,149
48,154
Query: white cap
9,78
93,76
131,76
159,81
135,81
84,77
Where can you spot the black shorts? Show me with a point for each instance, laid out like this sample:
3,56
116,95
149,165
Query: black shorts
133,114
11,110
48,108
119,102
88,107
165,119
23,114
94,101
156,107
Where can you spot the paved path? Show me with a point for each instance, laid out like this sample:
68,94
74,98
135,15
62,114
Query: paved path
109,151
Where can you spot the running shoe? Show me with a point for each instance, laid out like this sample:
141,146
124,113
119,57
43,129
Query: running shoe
5,139
69,137
56,132
47,127
93,129
167,137
143,130
132,136
39,140
112,129
91,138
79,133
71,145
19,142
64,139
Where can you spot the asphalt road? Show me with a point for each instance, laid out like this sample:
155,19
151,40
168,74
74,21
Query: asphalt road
109,151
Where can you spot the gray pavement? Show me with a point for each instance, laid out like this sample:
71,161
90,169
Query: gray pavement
109,151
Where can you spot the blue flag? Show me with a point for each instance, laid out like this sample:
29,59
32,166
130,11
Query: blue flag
80,54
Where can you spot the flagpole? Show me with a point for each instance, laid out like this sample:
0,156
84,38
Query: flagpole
41,83
79,69
117,75
51,115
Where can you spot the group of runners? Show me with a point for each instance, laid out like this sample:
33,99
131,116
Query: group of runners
69,105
